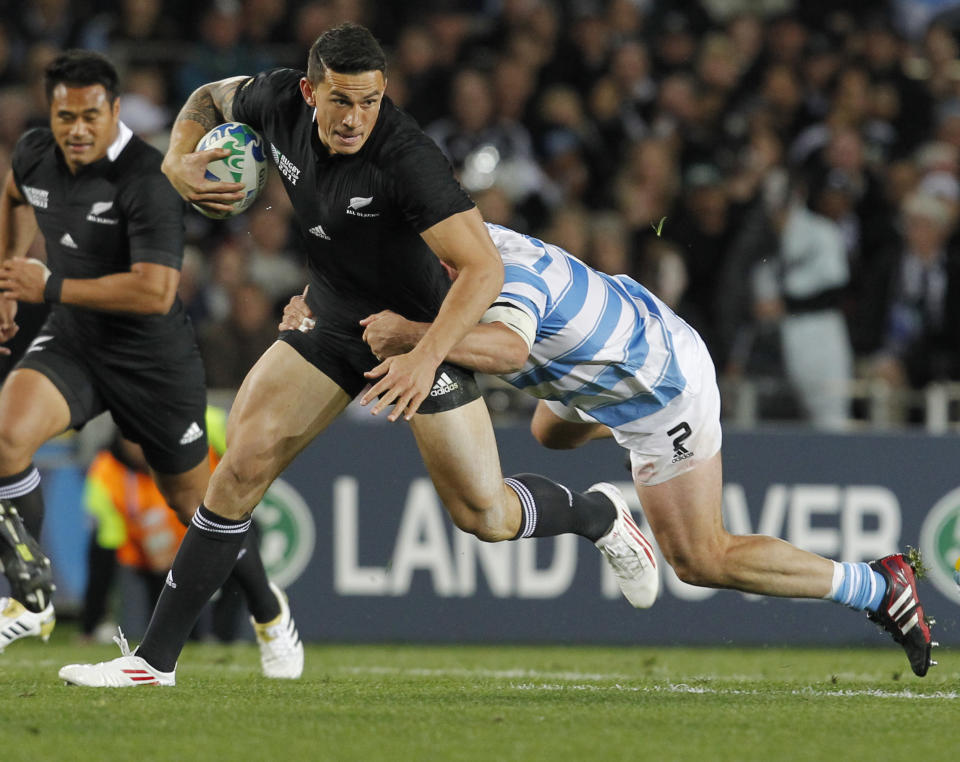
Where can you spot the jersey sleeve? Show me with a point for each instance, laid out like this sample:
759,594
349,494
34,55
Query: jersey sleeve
517,319
524,291
154,214
425,187
256,98
27,153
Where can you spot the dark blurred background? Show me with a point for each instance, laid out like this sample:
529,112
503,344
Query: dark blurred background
784,174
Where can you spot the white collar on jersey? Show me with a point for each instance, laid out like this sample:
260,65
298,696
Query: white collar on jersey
124,134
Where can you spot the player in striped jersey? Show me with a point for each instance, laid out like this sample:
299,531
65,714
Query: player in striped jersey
607,357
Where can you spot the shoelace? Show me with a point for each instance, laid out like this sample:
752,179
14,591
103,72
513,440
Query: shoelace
624,557
121,641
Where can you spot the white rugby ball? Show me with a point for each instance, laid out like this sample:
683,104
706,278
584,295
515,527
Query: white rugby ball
247,163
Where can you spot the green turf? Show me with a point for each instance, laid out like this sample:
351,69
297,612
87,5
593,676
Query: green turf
488,703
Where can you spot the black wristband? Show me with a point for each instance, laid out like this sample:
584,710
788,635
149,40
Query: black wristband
52,288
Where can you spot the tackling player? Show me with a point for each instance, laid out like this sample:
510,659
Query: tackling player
117,337
605,356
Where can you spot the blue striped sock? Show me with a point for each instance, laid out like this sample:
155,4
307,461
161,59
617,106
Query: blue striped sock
857,585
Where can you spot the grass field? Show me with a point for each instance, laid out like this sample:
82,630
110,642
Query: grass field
488,703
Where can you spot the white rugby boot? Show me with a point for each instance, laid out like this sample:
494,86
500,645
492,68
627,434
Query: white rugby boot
629,553
281,651
126,671
17,621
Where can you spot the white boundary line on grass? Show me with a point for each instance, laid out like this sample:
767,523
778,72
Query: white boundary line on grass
573,683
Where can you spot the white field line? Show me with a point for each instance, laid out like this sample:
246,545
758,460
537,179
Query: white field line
574,681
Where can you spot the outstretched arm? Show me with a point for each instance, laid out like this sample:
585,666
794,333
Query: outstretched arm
487,348
208,106
462,242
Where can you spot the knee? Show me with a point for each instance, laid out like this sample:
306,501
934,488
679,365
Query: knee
551,438
184,503
701,566
16,448
480,522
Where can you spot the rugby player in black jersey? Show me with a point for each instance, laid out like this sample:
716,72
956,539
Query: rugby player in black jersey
379,209
117,337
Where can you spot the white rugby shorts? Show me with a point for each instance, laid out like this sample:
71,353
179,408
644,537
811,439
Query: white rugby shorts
681,435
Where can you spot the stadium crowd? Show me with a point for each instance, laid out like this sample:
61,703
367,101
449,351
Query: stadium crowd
785,174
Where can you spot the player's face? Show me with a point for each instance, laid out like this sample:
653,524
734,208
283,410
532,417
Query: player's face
84,123
347,107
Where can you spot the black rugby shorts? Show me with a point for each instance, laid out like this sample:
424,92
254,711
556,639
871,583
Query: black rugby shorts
344,358
159,402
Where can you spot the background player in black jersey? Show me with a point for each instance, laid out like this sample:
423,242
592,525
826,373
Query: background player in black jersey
379,209
117,337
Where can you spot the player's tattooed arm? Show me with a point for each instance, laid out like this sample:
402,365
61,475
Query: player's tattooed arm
184,166
212,104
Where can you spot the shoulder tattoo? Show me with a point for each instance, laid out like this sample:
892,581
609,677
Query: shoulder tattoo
212,104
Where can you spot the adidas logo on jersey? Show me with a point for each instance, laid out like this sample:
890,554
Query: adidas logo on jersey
192,434
67,240
443,385
319,232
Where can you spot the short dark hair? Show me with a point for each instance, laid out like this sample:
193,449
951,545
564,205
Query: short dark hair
346,49
81,68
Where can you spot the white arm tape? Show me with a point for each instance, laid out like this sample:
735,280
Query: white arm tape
514,318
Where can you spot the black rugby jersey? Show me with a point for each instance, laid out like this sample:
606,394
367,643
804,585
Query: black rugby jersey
113,212
360,215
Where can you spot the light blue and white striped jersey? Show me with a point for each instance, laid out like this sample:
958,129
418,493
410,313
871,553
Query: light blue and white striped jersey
604,344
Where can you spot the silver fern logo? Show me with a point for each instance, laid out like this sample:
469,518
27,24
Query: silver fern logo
360,202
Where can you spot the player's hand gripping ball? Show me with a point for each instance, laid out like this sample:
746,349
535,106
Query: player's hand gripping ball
247,163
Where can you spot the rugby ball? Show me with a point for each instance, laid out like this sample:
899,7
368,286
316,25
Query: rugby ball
247,163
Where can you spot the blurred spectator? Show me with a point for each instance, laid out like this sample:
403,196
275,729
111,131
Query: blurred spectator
11,56
921,296
636,91
134,31
675,43
568,228
414,59
798,273
703,229
265,22
609,244
495,205
271,263
484,149
221,51
143,105
231,346
53,22
647,186
584,51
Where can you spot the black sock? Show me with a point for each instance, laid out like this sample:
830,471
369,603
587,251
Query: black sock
101,570
550,509
207,555
23,490
252,578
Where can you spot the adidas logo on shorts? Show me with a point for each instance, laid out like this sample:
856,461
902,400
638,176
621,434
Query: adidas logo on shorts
192,434
443,385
